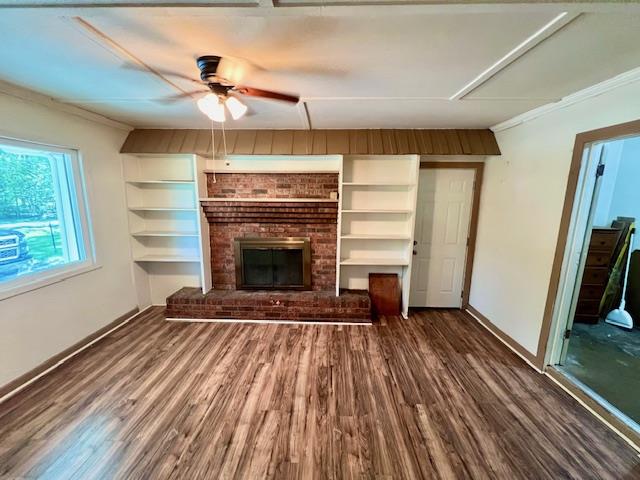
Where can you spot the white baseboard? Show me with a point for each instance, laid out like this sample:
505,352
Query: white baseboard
266,322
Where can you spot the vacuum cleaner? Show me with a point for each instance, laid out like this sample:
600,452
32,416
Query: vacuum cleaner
620,317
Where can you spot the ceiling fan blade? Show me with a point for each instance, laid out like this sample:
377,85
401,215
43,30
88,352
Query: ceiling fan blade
181,96
257,92
160,71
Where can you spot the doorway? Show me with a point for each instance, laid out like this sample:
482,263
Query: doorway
446,221
594,349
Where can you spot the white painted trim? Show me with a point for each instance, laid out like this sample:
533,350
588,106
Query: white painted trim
270,199
519,50
71,355
57,277
504,343
265,322
594,413
253,8
27,95
621,80
285,172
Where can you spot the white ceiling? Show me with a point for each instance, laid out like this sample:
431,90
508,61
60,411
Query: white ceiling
354,67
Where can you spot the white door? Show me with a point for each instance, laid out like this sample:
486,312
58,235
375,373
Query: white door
443,214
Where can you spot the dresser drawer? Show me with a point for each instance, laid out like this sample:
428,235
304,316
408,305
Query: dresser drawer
588,307
595,275
604,240
598,259
591,292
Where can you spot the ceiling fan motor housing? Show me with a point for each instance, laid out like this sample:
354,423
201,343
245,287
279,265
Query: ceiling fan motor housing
208,65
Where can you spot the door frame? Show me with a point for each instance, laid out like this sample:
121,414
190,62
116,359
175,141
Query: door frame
549,320
478,168
551,331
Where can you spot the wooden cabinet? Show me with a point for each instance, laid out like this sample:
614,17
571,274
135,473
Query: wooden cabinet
385,293
600,259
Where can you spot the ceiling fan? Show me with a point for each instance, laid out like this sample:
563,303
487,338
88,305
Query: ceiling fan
221,75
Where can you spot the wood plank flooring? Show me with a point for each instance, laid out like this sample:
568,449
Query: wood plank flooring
434,397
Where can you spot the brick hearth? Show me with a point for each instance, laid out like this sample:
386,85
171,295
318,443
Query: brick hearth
351,305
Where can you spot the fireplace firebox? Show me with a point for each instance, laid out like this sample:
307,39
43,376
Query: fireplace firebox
273,263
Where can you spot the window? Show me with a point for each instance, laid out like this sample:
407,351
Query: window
43,223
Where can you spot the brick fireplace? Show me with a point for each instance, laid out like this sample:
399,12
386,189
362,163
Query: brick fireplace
271,205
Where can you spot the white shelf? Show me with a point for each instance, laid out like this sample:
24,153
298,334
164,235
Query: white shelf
377,184
375,261
161,209
373,236
377,211
168,238
166,259
378,201
160,182
161,233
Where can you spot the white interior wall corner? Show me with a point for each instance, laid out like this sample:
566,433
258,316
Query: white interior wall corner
522,199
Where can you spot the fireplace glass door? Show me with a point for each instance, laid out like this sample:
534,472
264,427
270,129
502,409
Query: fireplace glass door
273,263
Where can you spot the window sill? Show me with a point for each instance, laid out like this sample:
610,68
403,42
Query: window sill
44,281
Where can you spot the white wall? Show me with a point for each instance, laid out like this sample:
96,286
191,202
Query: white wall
522,198
39,324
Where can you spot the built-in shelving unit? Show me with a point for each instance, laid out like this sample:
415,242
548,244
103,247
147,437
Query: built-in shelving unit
165,223
376,219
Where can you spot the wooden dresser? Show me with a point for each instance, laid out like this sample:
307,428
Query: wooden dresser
600,260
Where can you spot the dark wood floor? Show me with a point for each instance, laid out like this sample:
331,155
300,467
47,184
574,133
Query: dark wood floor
432,397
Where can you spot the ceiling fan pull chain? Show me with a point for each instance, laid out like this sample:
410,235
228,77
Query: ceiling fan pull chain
224,140
213,154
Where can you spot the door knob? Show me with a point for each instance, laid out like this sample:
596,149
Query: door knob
415,252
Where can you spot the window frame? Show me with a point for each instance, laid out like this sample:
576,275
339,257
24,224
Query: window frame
76,172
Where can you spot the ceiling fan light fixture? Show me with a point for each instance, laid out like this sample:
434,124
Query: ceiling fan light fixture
212,107
236,107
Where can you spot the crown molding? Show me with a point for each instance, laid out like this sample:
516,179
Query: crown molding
618,81
22,93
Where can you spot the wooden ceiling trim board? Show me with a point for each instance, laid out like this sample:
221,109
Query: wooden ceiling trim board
375,141
162,145
413,141
264,141
388,143
357,143
454,142
203,142
282,142
424,137
128,145
337,141
489,141
148,142
440,142
464,142
314,142
177,139
231,137
362,141
189,143
300,142
245,142
319,142
351,142
475,141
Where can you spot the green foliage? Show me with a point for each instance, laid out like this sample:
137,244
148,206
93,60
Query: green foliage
26,187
